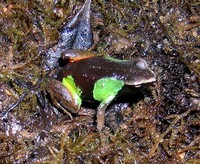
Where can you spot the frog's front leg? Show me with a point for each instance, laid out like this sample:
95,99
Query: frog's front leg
105,90
101,111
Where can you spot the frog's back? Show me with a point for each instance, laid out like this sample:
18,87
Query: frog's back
87,71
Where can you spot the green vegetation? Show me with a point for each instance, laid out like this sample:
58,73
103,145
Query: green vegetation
159,126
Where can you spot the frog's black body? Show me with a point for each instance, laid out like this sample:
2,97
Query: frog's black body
87,71
77,34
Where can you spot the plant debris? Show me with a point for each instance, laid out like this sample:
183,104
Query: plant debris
161,125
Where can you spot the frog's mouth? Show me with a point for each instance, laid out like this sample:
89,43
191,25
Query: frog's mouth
138,84
142,75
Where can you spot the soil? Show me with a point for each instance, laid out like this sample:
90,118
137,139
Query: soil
159,125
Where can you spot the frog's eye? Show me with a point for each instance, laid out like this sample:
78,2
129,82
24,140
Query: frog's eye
142,64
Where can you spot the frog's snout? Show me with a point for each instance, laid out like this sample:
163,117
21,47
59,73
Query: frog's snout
145,74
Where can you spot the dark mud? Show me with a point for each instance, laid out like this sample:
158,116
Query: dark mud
160,124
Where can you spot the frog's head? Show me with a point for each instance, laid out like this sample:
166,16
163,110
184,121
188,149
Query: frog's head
143,75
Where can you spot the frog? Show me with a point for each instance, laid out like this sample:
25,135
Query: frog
99,79
86,76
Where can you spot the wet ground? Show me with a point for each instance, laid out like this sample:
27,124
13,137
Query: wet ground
159,125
